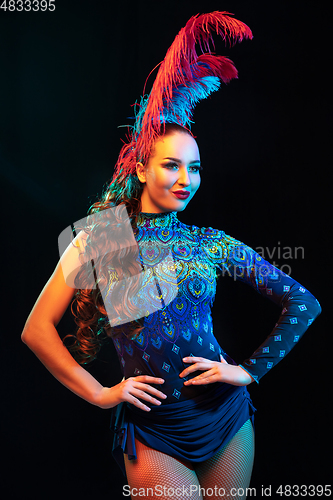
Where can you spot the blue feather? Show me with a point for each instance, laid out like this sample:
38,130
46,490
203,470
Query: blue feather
184,100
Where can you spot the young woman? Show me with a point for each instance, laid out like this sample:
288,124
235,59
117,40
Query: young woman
183,418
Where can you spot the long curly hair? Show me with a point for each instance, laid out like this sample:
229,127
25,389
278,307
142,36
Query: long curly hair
88,307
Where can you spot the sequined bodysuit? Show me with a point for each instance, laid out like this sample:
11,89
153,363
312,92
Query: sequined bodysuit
184,327
209,414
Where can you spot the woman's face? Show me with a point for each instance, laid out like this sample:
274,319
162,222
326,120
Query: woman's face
171,176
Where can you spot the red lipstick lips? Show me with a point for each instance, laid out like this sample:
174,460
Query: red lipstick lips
182,195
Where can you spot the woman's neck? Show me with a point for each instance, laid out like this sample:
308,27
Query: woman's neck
159,219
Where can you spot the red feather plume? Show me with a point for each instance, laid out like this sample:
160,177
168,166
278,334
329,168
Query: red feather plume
181,66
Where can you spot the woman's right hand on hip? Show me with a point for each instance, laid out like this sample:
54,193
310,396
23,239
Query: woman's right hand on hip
132,390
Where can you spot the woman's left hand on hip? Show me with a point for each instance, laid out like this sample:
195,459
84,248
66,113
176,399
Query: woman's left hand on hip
214,371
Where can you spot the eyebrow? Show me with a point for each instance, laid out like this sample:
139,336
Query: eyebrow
177,160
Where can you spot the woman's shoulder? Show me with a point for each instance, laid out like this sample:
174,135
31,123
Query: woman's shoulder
73,257
212,234
204,232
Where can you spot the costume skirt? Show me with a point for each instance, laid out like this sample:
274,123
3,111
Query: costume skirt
193,429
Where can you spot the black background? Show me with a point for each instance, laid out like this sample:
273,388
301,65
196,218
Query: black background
68,79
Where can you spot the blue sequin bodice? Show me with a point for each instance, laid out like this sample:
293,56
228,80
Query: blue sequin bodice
183,325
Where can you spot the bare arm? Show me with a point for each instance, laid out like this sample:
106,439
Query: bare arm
41,335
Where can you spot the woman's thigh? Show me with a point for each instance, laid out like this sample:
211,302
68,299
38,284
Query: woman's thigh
228,473
157,475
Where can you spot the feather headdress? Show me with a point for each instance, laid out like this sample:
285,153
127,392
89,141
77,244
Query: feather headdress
183,79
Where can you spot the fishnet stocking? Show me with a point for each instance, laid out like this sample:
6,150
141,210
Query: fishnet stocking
161,476
226,474
230,468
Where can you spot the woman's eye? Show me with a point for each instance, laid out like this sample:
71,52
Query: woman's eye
171,165
196,169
